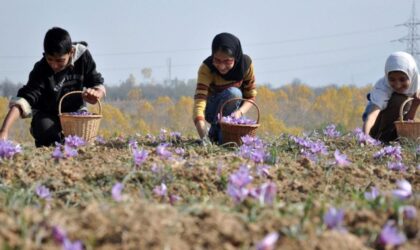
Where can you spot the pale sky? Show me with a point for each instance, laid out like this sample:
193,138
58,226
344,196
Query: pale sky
320,42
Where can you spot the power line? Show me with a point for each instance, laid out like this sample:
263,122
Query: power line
302,39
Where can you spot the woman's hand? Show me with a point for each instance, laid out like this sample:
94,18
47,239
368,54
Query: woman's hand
92,95
3,135
237,114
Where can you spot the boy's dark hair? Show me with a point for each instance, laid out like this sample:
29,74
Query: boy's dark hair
57,41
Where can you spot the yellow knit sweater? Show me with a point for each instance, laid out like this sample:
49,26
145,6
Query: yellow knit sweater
209,83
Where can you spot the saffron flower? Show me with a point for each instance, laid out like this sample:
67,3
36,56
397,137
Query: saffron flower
265,193
247,139
140,157
253,149
268,243
161,190
173,198
409,212
43,192
333,219
391,151
69,151
341,159
116,191
69,245
74,141
8,149
132,143
179,151
100,139
404,190
310,149
330,131
238,194
363,138
59,234
397,166
162,134
239,121
81,112
238,181
156,169
163,152
390,236
263,170
373,194
175,136
57,154
241,178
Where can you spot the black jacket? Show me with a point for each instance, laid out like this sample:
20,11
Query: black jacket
44,88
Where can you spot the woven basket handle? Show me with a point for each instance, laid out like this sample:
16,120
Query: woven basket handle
236,99
76,92
402,108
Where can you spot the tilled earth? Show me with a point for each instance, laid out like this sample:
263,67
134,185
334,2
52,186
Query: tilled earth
204,217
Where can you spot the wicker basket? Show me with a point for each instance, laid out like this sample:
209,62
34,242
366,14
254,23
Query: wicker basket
407,129
234,132
84,126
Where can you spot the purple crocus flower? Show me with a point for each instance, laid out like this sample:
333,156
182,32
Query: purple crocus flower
74,141
363,138
372,195
390,151
57,154
161,190
265,193
132,143
397,166
341,159
309,148
333,219
409,212
331,131
163,152
43,192
116,191
100,139
69,151
8,149
241,178
139,156
175,135
268,243
263,170
173,198
179,151
404,190
390,236
238,194
69,245
156,169
59,234
162,135
247,139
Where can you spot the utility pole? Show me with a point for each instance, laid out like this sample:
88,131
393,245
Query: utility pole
412,37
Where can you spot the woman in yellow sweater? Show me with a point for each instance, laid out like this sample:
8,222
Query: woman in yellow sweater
226,74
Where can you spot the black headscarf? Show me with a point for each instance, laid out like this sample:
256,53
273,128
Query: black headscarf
242,61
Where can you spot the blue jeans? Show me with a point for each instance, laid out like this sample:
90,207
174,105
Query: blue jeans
214,103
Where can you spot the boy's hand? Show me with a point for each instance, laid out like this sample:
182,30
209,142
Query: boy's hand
92,95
